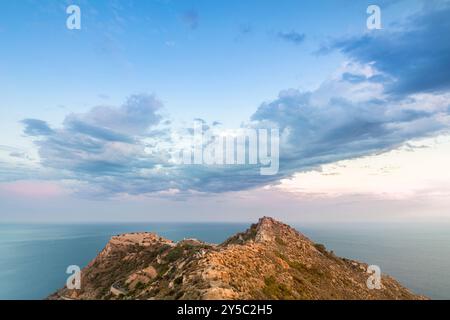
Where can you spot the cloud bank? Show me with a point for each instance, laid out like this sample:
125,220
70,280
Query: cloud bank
394,88
416,56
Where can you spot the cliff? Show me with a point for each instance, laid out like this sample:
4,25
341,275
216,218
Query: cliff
270,260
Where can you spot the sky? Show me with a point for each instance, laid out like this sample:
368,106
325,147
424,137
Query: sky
90,117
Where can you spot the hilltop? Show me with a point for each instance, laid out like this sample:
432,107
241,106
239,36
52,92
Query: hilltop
270,260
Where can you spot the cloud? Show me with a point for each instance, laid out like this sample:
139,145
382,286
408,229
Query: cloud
110,156
316,131
134,117
20,155
373,104
77,126
102,145
292,37
35,127
120,124
113,151
415,55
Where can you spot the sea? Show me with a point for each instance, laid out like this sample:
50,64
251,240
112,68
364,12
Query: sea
34,257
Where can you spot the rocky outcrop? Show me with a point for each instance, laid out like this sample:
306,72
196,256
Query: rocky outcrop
270,260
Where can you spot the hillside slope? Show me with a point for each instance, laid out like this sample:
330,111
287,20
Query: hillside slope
270,260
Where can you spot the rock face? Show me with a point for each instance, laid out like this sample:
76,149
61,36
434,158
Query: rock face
270,260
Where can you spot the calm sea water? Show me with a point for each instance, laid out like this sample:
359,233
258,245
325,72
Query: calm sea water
34,257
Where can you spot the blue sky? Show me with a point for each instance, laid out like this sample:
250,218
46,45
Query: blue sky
128,47
77,106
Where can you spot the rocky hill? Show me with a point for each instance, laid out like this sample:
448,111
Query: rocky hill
270,260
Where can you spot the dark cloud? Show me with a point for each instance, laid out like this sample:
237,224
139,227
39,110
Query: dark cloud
103,146
21,155
35,127
416,56
292,37
312,134
341,129
134,117
74,125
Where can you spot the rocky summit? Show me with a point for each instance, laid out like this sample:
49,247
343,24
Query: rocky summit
270,260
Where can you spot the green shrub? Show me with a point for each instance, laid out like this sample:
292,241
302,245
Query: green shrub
139,286
175,254
275,290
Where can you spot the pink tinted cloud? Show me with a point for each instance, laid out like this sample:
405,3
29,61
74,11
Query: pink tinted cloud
32,189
